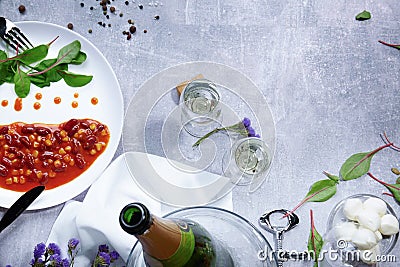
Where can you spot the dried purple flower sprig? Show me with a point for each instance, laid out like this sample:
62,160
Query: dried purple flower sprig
243,128
50,256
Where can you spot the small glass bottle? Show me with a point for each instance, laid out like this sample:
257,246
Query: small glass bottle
172,242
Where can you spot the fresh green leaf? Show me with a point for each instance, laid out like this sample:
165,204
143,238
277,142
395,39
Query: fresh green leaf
75,80
321,191
69,52
315,241
356,166
22,83
365,15
39,81
79,59
33,55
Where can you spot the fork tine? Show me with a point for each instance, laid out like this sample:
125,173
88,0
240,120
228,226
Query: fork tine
23,35
18,38
9,43
16,44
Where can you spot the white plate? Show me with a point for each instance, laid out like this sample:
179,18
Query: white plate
153,125
109,110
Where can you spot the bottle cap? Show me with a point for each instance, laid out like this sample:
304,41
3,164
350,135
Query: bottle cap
135,218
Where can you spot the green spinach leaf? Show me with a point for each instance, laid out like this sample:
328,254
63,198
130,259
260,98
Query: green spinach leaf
315,241
365,15
69,52
75,80
22,83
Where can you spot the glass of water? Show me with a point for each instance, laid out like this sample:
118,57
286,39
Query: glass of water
248,160
200,105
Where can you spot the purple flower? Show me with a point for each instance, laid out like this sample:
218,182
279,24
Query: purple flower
53,249
39,250
250,131
246,122
104,258
8,266
55,260
114,256
73,243
65,263
104,248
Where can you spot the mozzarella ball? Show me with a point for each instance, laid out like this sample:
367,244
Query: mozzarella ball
369,219
378,236
364,239
345,230
389,225
376,204
351,208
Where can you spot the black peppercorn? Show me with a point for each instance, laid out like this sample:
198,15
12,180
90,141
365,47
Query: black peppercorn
145,31
126,2
82,4
91,8
21,9
132,29
129,36
104,8
156,17
120,14
112,9
90,30
70,26
140,6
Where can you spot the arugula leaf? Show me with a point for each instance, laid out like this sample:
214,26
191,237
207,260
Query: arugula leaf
315,241
69,52
22,83
33,55
75,80
365,15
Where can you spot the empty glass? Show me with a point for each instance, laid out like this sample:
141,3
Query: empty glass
247,161
200,106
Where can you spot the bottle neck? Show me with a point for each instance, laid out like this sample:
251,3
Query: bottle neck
162,239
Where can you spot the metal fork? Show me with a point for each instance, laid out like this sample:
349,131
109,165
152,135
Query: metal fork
13,36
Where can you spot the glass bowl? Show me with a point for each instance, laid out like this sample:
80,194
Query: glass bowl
244,242
336,217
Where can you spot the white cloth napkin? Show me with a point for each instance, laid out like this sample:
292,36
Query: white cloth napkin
95,221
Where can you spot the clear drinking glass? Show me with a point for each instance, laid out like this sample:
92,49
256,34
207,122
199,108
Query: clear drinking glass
247,161
200,106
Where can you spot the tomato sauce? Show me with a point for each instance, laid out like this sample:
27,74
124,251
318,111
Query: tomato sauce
48,154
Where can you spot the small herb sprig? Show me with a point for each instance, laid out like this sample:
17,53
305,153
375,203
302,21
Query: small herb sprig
354,167
18,70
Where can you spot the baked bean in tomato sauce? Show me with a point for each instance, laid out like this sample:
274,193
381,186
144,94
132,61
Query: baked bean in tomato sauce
48,154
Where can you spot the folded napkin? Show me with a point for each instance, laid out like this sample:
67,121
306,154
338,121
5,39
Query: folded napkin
95,221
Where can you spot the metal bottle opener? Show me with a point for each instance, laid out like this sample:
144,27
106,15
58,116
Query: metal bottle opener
274,223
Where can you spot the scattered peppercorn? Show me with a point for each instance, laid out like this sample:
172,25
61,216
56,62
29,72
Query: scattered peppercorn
126,2
112,9
156,17
120,14
21,9
145,31
90,31
109,25
104,8
100,23
129,21
91,8
103,24
107,16
129,36
140,6
70,26
82,4
104,13
132,29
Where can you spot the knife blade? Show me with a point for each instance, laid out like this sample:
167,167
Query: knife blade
20,206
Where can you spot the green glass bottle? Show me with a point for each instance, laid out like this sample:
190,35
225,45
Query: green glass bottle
172,242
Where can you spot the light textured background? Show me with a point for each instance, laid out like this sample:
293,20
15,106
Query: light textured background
331,86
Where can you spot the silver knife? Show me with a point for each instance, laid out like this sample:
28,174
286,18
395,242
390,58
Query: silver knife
20,205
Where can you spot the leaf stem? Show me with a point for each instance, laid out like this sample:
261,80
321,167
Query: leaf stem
53,41
313,232
391,45
216,130
387,194
304,201
382,182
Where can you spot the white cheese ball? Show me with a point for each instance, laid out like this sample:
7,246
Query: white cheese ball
389,225
364,239
376,204
369,219
370,256
345,230
352,207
